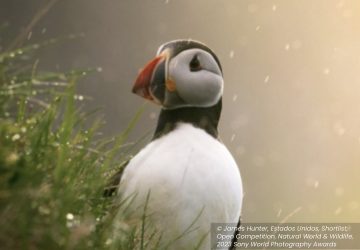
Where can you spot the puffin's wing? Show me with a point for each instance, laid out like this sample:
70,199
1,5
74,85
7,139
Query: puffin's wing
234,239
114,181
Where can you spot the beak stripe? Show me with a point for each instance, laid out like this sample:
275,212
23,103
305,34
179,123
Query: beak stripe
142,83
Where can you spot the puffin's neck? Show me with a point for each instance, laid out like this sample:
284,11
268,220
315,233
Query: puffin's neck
204,118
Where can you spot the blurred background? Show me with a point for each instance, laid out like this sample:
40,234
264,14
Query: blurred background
291,113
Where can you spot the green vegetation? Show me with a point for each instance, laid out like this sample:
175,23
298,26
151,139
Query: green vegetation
53,166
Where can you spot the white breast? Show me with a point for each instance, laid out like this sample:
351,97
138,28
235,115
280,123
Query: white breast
193,181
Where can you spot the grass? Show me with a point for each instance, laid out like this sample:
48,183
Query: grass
53,166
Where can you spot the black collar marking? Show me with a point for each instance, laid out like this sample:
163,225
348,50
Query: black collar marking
204,118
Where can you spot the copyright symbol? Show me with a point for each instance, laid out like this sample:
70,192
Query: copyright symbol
219,228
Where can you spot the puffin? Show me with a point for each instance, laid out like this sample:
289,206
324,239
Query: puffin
185,178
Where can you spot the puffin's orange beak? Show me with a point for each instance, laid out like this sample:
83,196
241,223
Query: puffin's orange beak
143,81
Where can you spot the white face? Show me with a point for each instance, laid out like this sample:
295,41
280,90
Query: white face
197,77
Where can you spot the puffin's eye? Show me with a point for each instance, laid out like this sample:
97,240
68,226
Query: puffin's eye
195,64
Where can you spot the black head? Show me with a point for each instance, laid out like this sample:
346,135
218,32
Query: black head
185,73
